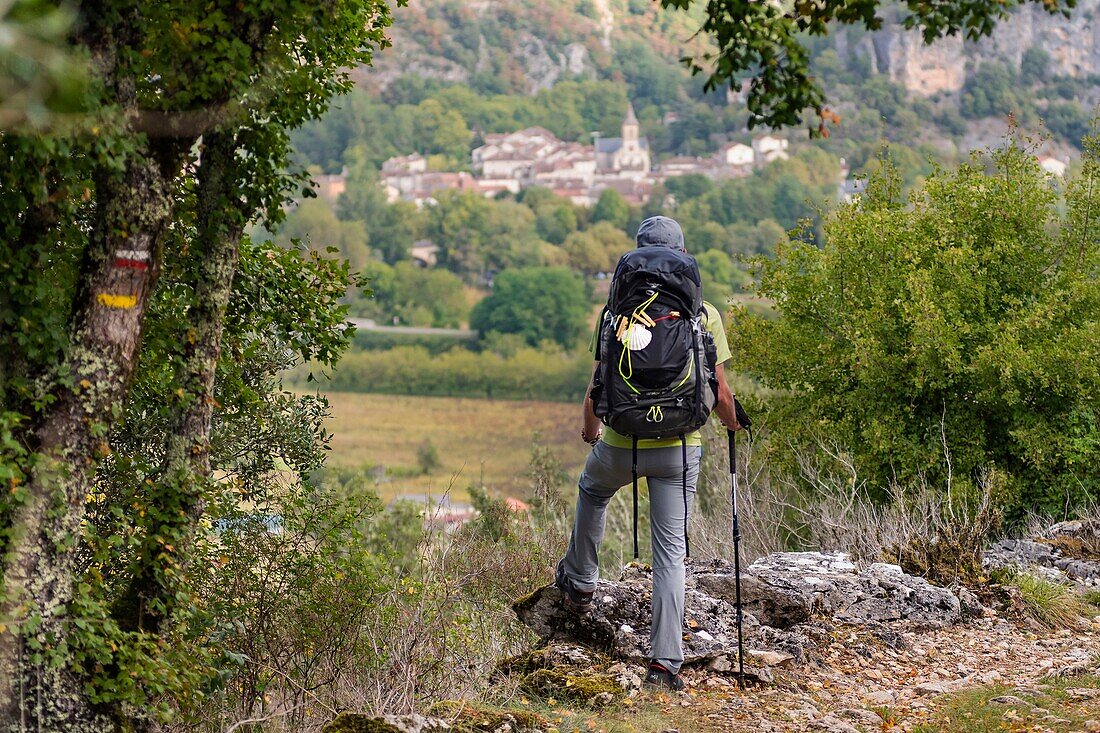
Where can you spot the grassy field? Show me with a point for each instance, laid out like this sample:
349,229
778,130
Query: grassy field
477,441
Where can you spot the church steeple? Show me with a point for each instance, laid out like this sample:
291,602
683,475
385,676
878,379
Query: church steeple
630,124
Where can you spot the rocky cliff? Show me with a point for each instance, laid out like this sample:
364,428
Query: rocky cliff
530,45
942,67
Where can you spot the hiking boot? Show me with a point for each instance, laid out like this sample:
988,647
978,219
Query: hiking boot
658,676
575,599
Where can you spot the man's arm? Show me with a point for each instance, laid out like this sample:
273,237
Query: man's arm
591,430
724,408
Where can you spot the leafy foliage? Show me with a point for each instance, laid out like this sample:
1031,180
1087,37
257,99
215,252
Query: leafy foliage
597,248
478,237
764,44
414,296
39,76
942,337
540,304
124,634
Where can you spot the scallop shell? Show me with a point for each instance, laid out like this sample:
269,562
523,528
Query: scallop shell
637,337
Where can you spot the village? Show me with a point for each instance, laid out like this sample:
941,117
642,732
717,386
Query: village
509,162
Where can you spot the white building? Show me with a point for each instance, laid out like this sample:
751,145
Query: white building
736,155
683,165
530,157
407,177
414,163
507,163
769,148
629,153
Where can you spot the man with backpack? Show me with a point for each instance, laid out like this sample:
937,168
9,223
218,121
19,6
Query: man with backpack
660,352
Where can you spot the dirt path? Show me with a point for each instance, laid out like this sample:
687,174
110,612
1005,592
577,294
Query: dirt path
860,679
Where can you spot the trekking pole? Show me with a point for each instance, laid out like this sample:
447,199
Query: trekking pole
736,558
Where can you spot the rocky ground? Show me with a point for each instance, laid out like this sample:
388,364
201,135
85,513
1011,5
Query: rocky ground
831,646
859,682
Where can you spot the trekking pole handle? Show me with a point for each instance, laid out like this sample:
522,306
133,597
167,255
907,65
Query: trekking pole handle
732,437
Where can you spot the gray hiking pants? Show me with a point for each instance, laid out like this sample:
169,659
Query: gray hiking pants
606,471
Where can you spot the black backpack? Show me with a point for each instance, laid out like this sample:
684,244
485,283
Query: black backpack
657,372
656,377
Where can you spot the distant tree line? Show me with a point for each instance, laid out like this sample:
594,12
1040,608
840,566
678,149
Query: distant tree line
480,238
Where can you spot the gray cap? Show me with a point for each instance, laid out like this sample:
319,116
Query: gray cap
660,231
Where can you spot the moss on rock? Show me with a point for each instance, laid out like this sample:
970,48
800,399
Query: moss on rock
530,599
1076,547
471,717
578,686
524,663
358,723
552,656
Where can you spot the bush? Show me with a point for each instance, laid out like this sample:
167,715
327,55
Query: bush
383,340
992,90
962,326
415,296
427,457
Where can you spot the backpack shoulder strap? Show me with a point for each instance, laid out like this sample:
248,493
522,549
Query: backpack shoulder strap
594,344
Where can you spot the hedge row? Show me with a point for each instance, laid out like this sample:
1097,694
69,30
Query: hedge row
527,374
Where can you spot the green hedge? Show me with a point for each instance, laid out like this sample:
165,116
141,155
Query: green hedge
526,374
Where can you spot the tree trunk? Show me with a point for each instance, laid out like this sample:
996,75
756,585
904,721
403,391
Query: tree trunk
37,692
176,503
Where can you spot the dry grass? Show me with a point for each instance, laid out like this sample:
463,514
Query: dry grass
1054,605
983,710
478,441
825,506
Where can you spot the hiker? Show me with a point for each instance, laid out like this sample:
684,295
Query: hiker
669,464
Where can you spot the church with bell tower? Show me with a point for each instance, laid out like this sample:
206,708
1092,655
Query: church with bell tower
629,153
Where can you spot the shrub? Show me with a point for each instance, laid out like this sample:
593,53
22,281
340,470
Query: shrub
963,324
427,457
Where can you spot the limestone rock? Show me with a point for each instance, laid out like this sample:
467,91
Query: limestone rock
832,724
1080,529
788,588
1047,559
470,715
1082,693
863,717
940,688
619,619
416,723
880,697
770,659
627,677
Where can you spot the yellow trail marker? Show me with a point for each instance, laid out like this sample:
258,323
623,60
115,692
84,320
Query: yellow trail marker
117,301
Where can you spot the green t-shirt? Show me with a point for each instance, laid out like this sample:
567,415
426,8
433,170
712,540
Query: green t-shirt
712,321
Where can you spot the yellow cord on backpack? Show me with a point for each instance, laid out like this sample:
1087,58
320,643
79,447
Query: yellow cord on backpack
629,365
640,316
